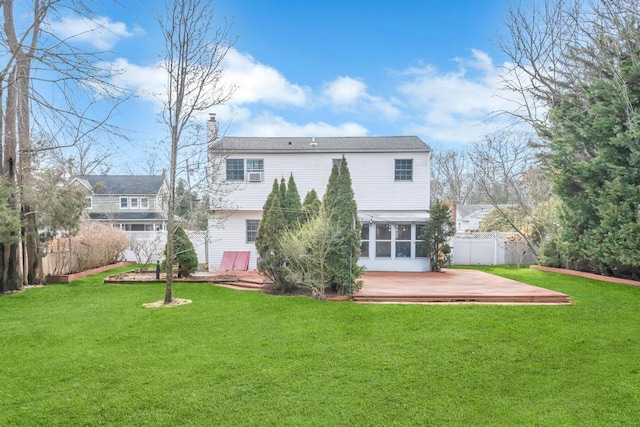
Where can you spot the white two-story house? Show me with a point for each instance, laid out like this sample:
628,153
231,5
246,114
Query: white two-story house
130,202
390,178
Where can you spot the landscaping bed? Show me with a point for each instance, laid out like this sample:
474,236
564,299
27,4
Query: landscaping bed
149,276
66,278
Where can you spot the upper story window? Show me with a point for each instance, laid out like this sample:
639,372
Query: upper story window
337,162
255,165
88,202
255,170
404,169
235,169
134,202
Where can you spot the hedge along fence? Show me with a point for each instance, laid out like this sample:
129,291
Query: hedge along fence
96,245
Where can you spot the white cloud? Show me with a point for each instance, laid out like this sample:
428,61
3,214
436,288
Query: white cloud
455,106
100,32
345,91
259,83
267,124
147,82
349,94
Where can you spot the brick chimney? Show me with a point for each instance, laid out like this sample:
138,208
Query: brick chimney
212,129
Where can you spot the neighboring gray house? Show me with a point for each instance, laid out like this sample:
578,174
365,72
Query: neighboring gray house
131,202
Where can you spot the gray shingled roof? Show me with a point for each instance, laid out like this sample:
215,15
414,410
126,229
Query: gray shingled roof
124,184
323,144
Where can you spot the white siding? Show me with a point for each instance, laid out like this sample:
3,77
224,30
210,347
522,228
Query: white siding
378,196
372,176
229,234
111,203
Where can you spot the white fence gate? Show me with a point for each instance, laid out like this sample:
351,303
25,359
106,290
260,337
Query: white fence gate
490,249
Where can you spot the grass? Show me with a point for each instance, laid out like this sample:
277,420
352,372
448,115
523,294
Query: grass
88,354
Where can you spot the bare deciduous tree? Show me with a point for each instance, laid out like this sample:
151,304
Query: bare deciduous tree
453,177
38,63
194,48
508,172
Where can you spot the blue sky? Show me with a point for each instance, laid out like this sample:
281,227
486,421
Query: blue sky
324,68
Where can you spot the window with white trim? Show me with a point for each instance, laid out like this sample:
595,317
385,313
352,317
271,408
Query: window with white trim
252,229
403,240
404,170
255,170
255,165
337,162
124,203
134,203
364,241
235,169
88,202
383,240
144,202
419,243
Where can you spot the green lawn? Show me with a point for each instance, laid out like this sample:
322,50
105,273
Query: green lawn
88,354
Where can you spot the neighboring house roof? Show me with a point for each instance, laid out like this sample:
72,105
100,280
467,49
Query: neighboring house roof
119,216
466,212
122,184
323,144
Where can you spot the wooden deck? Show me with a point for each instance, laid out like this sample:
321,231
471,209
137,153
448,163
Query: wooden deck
452,286
448,287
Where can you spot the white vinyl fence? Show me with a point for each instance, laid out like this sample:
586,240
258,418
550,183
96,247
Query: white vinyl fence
490,249
150,245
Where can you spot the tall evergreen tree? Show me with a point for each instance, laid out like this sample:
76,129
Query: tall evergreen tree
274,192
340,204
282,195
271,227
437,231
292,207
311,205
330,197
595,170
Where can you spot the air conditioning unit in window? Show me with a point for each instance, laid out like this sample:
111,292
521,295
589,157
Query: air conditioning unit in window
255,177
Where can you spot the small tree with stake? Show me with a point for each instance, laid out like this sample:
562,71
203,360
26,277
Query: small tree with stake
184,254
437,231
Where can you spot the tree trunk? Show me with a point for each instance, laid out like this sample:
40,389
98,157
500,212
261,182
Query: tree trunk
11,277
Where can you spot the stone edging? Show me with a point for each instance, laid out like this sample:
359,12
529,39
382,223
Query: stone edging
66,278
586,275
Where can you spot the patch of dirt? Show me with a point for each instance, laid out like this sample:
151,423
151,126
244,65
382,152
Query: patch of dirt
269,288
159,304
150,276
